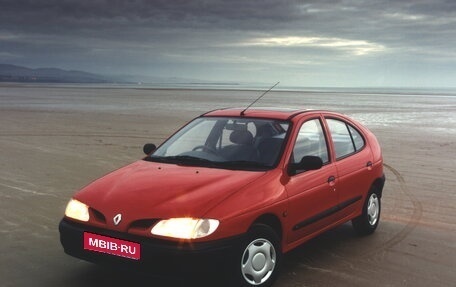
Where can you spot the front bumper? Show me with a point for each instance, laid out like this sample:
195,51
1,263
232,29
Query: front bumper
157,256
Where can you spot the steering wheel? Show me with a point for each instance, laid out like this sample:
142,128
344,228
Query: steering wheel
205,148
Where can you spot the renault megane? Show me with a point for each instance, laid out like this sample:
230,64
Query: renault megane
232,190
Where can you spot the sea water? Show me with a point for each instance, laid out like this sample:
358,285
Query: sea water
432,109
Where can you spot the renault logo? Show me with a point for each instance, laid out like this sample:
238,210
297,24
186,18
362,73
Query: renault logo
117,219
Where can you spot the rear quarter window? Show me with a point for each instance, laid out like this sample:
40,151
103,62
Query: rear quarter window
358,140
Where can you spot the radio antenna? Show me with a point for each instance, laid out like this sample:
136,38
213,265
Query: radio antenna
243,112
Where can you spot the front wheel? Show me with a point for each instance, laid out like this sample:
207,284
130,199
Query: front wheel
367,222
260,257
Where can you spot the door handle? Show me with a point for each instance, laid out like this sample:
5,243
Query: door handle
332,182
369,165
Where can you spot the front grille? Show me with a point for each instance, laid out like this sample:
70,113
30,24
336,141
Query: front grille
142,224
98,216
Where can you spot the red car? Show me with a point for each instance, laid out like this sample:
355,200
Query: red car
232,190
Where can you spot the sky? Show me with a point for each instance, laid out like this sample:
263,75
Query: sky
317,43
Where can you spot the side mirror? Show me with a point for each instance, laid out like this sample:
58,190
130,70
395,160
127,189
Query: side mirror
308,162
149,148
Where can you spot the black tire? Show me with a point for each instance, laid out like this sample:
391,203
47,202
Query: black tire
259,258
367,222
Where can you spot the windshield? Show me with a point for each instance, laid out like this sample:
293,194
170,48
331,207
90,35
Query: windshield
222,142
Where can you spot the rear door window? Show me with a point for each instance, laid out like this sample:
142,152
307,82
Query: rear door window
347,140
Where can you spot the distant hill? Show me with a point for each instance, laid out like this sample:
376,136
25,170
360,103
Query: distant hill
13,73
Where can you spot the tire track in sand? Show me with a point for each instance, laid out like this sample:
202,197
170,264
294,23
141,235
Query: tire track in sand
413,221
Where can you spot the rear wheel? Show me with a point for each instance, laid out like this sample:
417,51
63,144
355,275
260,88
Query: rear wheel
260,257
367,222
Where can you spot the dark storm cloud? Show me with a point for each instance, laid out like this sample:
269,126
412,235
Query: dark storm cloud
134,21
54,15
39,15
109,18
231,37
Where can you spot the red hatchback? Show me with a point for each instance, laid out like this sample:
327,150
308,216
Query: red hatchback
233,189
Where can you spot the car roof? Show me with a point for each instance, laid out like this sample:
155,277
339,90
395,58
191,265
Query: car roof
270,113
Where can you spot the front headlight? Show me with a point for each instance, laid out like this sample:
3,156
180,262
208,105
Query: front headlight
77,210
185,228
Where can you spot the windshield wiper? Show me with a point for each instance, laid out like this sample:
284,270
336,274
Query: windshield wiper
192,160
188,158
181,160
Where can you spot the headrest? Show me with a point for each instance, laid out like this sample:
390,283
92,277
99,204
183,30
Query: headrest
242,137
264,131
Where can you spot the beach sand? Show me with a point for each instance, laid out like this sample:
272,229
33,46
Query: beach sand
56,139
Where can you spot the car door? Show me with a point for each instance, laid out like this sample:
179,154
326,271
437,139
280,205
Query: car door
353,163
312,194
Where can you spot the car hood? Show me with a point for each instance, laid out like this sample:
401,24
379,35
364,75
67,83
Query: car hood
150,190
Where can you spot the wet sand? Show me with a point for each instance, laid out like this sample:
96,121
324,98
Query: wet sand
56,139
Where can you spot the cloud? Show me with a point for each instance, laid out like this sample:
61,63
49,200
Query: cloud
174,37
355,47
405,17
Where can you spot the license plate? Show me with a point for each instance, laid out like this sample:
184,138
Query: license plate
113,246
